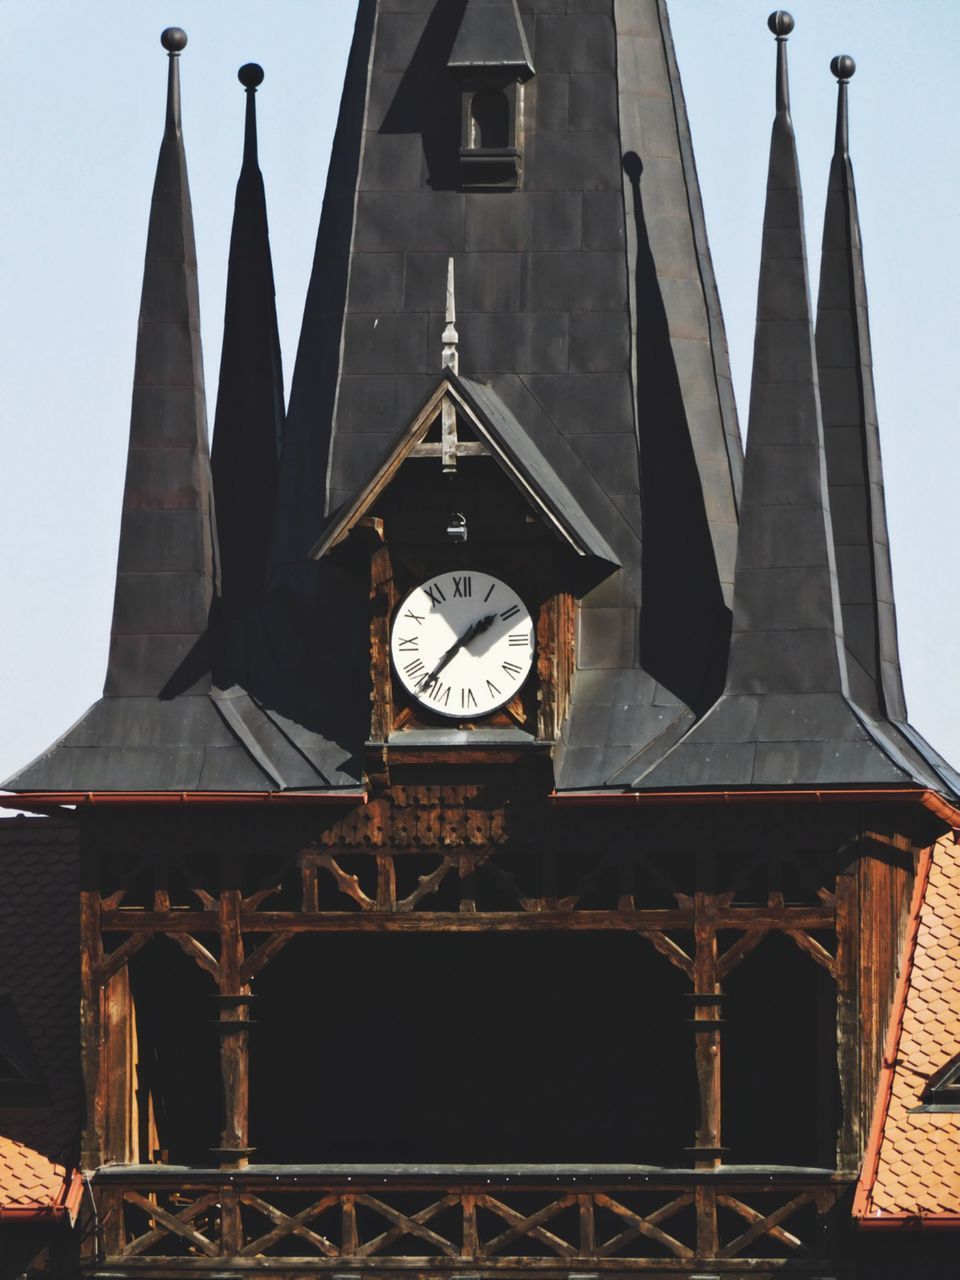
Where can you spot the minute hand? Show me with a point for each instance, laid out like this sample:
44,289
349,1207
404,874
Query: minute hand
483,624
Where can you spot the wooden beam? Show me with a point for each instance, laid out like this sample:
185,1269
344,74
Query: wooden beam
234,1037
91,1017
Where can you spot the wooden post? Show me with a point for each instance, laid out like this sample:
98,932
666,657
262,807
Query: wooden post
706,1026
91,1023
708,1232
234,1000
119,1068
850,1138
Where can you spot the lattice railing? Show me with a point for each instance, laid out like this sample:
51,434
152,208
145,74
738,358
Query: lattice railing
439,1228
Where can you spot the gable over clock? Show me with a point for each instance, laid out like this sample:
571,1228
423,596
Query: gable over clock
477,552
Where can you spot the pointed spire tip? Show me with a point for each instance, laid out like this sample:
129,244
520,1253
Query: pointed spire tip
174,40
780,23
843,66
250,75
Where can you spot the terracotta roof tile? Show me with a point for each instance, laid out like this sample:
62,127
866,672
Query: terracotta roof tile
39,943
912,1168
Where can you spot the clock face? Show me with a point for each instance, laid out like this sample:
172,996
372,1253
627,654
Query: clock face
462,643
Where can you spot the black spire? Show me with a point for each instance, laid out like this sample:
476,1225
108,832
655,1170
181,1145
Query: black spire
785,717
165,571
786,626
249,418
853,442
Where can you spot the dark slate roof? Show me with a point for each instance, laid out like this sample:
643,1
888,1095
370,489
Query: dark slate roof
491,35
40,982
248,426
586,304
786,716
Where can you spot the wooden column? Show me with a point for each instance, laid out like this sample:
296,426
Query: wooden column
91,1026
118,1054
706,1025
233,999
850,1140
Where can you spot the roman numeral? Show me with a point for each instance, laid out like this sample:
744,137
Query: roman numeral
467,700
510,613
493,688
440,693
407,644
493,587
435,593
511,669
462,586
414,618
414,668
519,640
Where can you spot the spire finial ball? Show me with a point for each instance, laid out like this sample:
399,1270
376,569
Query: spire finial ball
250,75
780,23
843,66
174,39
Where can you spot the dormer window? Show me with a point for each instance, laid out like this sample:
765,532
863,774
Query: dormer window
492,61
943,1090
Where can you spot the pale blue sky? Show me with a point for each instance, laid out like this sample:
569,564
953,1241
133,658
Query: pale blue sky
81,112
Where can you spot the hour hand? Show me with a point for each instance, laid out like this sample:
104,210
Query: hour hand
483,624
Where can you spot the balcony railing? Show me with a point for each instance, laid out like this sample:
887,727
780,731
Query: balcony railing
161,1222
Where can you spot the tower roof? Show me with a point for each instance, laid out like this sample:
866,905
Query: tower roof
248,425
786,716
162,725
565,287
852,440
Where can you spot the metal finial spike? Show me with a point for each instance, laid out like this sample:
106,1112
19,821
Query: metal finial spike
781,24
250,75
451,356
843,66
174,40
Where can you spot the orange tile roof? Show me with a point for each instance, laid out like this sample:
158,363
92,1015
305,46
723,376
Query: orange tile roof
39,944
911,1173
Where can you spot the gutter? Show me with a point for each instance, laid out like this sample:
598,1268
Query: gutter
943,809
911,1222
862,1208
43,801
60,1213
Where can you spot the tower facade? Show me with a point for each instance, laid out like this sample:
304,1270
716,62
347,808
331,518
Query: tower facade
501,823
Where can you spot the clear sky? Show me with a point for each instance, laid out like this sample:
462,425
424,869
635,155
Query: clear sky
81,114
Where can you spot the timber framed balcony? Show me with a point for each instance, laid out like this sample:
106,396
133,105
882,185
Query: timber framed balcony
552,1221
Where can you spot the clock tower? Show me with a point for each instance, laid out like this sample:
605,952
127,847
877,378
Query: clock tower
501,820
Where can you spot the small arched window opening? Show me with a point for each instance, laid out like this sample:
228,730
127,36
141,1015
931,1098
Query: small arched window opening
490,119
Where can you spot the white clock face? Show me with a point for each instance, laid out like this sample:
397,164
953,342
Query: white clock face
462,643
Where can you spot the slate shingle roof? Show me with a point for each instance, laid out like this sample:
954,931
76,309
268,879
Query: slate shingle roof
39,971
912,1167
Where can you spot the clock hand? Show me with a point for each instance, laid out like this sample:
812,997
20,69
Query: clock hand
483,624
